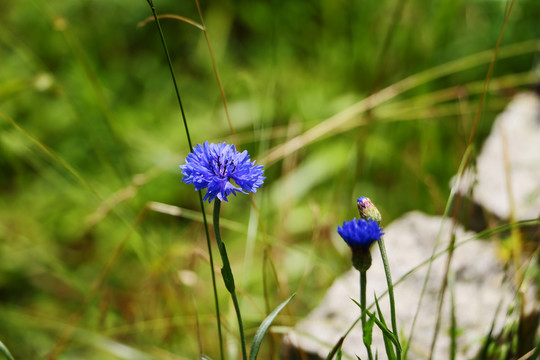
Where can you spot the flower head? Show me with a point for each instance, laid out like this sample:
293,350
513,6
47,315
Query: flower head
367,210
360,233
214,166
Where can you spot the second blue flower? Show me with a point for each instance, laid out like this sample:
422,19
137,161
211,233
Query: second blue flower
360,233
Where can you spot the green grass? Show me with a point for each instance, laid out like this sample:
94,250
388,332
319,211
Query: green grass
91,139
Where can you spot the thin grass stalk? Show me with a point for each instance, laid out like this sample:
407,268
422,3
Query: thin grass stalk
467,160
445,281
228,277
453,328
216,73
169,62
363,283
453,191
384,258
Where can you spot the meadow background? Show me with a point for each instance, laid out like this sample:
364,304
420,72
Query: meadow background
99,235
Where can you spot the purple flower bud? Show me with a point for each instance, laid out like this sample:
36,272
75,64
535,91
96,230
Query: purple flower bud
367,210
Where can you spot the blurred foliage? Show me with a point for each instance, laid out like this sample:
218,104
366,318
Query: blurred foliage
90,134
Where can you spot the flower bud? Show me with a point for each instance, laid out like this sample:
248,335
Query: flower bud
367,210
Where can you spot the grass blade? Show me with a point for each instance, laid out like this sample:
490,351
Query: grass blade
5,351
263,328
336,348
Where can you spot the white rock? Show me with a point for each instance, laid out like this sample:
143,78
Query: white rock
478,289
511,155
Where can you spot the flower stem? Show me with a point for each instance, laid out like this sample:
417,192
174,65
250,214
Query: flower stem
216,301
208,243
363,282
384,258
228,277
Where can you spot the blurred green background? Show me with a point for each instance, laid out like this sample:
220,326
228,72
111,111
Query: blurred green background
91,138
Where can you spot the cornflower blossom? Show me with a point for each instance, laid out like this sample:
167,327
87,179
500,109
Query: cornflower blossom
360,233
222,170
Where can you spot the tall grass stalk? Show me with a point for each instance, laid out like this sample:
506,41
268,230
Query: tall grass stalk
169,62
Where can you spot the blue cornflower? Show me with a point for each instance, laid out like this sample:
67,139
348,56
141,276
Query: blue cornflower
214,166
360,233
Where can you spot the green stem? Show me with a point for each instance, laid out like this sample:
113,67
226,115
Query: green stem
384,258
208,243
216,302
228,277
363,282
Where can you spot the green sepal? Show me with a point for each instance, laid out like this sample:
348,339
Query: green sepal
361,258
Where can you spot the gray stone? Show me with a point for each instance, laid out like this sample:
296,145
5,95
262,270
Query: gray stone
478,290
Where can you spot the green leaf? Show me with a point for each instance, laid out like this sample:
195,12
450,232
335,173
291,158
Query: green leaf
387,342
263,328
226,271
5,351
381,326
368,331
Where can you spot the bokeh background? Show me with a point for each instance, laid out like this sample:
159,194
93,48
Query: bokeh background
102,249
